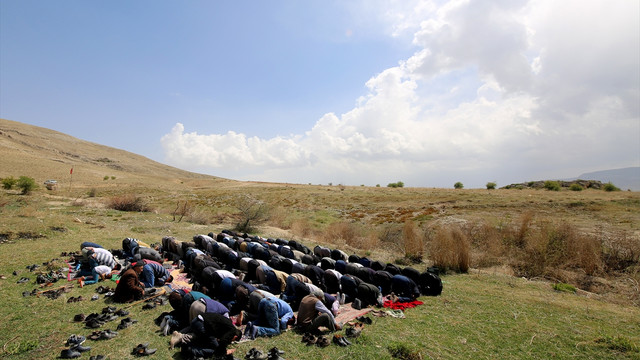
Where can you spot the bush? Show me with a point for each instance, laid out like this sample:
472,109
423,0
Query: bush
450,249
576,187
128,202
26,184
8,182
398,184
458,185
106,177
252,212
413,242
491,185
610,187
552,185
562,287
92,192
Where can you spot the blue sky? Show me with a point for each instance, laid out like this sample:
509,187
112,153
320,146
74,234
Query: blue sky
352,92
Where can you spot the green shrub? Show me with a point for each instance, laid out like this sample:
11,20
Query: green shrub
398,184
564,287
619,343
458,185
610,187
576,187
113,177
92,192
552,185
491,185
26,184
403,352
8,182
106,177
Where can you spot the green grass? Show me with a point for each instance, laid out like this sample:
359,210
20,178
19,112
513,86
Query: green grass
478,316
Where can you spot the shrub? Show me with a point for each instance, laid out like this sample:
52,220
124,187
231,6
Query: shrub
413,242
398,184
610,187
576,187
26,184
113,177
451,249
619,343
252,212
552,185
128,202
491,185
92,192
8,182
562,287
106,177
458,185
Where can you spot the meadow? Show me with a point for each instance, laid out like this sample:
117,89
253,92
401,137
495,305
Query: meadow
505,251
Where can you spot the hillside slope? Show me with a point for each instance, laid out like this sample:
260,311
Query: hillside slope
46,154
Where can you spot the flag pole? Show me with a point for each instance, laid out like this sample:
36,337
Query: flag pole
71,178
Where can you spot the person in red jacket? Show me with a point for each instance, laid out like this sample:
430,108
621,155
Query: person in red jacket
129,287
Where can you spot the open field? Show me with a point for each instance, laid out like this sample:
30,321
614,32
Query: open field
486,313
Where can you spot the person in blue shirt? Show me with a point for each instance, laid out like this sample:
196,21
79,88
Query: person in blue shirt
274,315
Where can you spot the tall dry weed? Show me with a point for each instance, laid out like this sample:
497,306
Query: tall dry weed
301,228
488,247
450,249
413,241
620,251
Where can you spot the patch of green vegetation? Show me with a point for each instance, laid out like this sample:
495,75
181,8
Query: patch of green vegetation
403,352
16,348
610,187
552,185
564,287
576,187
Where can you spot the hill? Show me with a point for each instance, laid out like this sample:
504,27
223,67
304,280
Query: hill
47,154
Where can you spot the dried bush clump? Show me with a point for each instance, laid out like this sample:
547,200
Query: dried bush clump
128,202
450,249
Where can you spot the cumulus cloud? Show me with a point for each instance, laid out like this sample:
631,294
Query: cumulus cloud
497,90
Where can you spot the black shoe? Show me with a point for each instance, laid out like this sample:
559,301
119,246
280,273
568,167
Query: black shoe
22,280
364,319
109,310
80,348
74,340
69,354
79,318
122,312
149,306
337,339
97,357
93,324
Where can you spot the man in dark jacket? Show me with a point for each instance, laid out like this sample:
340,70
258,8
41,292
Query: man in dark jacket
129,287
212,333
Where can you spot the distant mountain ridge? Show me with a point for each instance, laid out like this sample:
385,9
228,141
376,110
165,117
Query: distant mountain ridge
625,178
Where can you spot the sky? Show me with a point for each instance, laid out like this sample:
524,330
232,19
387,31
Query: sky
359,92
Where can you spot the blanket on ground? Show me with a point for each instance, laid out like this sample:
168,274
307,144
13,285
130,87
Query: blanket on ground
401,305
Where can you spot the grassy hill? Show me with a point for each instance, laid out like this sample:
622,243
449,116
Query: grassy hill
520,243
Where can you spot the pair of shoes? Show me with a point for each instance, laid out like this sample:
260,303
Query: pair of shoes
97,357
149,306
74,340
103,335
274,354
309,339
323,341
95,297
143,350
109,310
255,354
22,280
340,340
80,348
364,319
125,323
122,312
69,354
78,317
75,299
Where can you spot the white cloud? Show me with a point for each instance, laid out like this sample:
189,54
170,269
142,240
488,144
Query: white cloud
499,90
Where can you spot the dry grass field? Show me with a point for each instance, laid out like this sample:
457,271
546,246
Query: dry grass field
510,246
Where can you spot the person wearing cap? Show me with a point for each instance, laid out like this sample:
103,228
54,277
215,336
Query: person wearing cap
129,287
313,314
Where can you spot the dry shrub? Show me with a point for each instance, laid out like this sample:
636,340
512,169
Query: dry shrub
129,202
489,249
450,249
199,216
530,262
413,241
279,217
523,229
351,234
620,252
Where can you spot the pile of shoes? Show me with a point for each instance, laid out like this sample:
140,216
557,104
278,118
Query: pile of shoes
95,320
274,354
364,319
340,340
255,354
309,339
103,335
75,349
75,299
143,350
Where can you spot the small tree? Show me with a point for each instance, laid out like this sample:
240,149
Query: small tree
491,185
252,212
8,182
576,187
398,184
458,185
26,184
